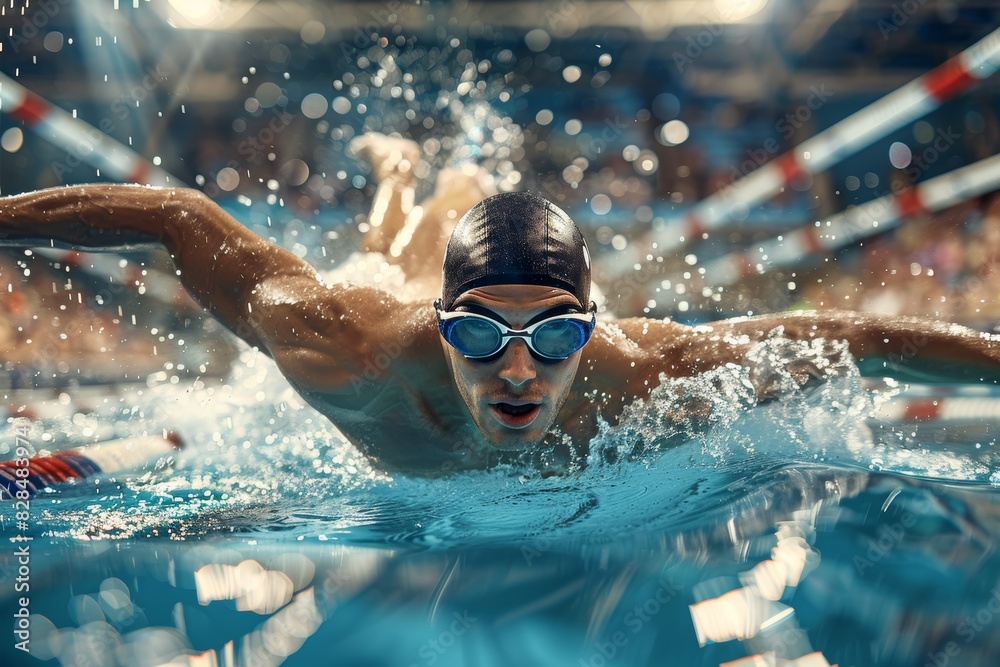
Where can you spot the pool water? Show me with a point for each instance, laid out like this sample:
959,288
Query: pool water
805,526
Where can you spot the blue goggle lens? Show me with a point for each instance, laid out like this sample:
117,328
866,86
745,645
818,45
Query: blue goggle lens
559,338
474,337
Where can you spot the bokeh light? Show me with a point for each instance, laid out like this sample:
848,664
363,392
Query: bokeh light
12,140
900,155
673,133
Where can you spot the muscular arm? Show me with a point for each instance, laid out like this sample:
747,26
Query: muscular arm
908,348
220,261
321,336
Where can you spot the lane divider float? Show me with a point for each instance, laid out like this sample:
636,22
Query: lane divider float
38,473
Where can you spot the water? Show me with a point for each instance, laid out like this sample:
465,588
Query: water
318,559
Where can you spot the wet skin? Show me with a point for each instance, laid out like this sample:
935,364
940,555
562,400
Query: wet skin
514,400
377,366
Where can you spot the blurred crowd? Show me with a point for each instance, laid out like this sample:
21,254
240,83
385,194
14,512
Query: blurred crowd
49,327
54,330
945,266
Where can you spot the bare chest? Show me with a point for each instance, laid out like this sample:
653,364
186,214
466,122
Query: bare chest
409,429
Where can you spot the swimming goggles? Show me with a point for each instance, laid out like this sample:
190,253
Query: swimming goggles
483,338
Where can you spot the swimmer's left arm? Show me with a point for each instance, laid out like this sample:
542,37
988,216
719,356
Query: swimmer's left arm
626,360
910,348
631,354
634,352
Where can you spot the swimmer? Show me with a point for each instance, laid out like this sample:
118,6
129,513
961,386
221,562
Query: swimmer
502,356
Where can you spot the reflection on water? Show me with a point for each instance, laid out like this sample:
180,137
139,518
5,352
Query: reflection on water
871,572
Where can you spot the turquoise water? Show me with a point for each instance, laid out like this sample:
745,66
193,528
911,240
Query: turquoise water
268,540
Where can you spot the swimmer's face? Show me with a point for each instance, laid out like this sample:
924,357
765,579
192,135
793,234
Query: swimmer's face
514,399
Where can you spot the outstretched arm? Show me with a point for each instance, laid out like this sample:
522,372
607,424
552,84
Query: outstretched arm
221,262
631,354
328,338
343,341
909,348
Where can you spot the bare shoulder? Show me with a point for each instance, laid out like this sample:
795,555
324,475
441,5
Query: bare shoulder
331,338
635,351
633,355
672,346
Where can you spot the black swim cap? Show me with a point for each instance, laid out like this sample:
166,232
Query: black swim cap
516,238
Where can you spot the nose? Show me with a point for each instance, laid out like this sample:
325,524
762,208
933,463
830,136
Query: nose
517,365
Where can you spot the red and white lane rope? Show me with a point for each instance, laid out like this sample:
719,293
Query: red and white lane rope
23,478
830,146
82,140
853,133
949,409
128,273
857,222
115,160
934,390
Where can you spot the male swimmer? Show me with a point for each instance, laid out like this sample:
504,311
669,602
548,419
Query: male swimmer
505,358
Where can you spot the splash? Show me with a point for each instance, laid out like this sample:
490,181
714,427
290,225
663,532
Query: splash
262,463
442,95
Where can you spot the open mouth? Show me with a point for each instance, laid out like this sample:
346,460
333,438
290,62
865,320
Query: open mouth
516,415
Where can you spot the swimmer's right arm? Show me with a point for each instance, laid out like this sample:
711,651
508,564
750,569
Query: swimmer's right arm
321,335
220,260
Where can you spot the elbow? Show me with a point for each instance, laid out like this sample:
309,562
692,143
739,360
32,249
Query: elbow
187,213
188,200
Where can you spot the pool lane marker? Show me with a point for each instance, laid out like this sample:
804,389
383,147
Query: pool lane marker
112,158
957,410
80,139
108,457
855,132
856,223
818,153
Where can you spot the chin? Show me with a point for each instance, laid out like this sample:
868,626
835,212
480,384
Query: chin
508,440
512,444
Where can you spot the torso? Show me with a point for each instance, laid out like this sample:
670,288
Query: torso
407,429
422,426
